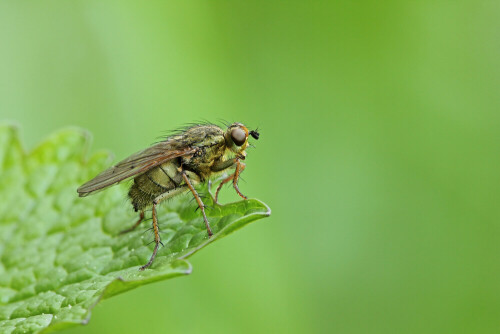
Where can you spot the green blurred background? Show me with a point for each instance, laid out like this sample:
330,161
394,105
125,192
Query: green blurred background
379,151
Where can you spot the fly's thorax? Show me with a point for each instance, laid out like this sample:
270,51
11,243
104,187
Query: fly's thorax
202,161
206,135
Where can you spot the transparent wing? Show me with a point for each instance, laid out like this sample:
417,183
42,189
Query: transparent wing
137,163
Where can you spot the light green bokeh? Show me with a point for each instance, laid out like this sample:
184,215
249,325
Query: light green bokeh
379,151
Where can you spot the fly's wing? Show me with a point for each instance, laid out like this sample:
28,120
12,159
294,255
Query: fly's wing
137,163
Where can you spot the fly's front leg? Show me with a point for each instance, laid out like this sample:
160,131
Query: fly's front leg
141,217
200,203
226,180
240,166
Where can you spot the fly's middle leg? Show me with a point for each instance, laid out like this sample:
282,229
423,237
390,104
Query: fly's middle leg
200,203
141,217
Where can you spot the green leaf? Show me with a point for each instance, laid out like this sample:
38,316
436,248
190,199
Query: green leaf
61,254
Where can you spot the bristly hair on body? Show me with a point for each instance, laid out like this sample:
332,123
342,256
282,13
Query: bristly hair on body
180,130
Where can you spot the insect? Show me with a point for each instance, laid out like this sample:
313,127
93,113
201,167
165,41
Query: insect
175,166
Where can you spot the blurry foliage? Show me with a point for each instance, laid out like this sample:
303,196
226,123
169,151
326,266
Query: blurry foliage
379,151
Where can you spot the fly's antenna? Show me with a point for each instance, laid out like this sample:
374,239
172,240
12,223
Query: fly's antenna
255,134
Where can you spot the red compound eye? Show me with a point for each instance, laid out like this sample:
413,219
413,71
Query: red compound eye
238,136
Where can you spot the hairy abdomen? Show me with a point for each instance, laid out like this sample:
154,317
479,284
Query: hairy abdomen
159,180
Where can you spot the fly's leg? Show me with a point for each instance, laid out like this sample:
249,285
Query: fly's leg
218,167
240,166
156,230
157,238
200,203
141,217
226,180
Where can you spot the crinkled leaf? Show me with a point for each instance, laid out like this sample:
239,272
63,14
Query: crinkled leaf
61,254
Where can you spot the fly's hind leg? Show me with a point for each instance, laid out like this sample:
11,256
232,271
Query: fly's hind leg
156,230
141,217
157,237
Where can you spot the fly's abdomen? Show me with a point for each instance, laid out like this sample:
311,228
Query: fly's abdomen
153,183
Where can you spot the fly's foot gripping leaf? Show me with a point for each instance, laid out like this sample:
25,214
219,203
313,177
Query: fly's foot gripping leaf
61,254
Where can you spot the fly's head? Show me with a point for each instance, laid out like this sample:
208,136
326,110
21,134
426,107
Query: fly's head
237,139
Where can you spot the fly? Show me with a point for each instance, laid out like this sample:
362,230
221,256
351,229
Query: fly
176,165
